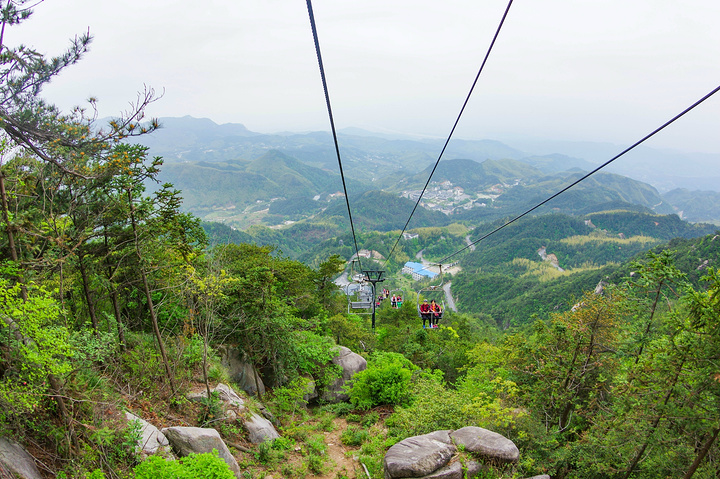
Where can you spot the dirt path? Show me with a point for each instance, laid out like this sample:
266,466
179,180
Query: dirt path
343,457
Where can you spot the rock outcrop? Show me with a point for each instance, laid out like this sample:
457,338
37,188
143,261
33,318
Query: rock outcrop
350,363
151,440
449,454
15,461
419,456
259,427
486,444
242,372
197,440
228,396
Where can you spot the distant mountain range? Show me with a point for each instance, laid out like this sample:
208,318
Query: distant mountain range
227,172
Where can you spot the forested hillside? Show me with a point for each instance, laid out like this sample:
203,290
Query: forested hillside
475,176
506,277
377,210
275,189
695,205
234,191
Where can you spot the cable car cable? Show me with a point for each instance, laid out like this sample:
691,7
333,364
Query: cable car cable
332,124
457,120
657,130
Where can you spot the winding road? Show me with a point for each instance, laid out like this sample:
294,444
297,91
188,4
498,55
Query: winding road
448,296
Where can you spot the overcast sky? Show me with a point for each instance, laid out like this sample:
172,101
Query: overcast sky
589,70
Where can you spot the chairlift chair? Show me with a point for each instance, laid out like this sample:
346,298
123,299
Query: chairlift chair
399,296
359,298
431,293
359,293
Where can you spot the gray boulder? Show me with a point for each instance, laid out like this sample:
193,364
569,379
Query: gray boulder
350,363
454,470
196,440
260,429
419,456
15,461
242,372
228,396
486,444
152,439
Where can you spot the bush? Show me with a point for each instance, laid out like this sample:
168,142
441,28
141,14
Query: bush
385,381
270,455
433,408
354,436
194,466
370,419
339,409
290,399
353,418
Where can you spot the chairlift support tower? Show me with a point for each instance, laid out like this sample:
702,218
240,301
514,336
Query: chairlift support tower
373,277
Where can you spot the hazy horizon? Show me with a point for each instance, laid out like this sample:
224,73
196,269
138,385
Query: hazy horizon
608,71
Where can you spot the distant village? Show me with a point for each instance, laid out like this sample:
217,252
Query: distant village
448,198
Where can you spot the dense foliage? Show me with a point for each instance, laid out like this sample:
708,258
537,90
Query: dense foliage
194,466
625,384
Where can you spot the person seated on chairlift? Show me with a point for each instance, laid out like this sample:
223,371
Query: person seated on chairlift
393,301
399,301
425,313
436,311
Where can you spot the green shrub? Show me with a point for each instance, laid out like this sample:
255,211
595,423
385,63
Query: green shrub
354,436
268,455
142,364
290,398
217,373
339,409
193,351
283,444
434,408
93,347
385,381
370,419
194,466
316,464
316,445
353,418
325,422
211,409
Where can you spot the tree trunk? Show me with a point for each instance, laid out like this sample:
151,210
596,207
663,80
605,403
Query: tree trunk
88,294
10,233
148,296
113,290
701,455
654,425
649,324
118,318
